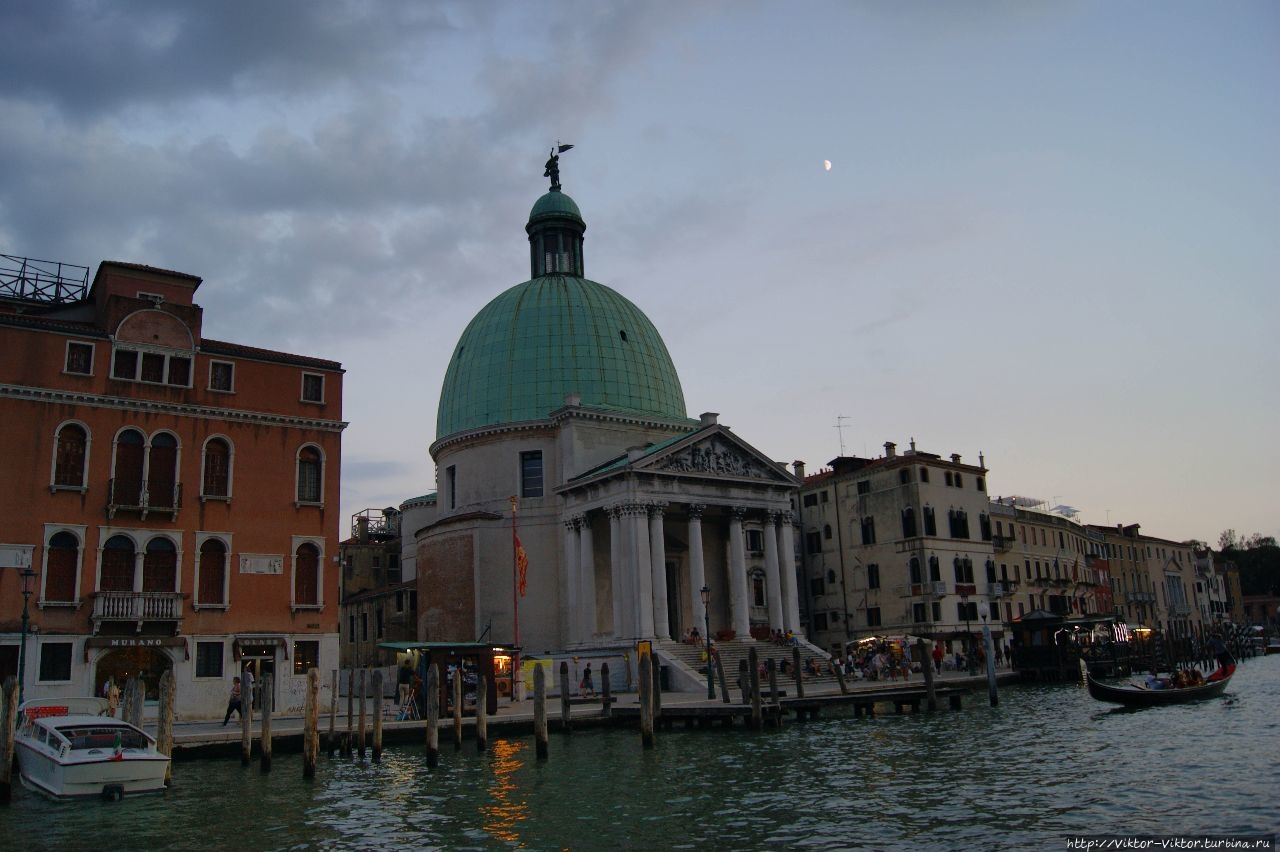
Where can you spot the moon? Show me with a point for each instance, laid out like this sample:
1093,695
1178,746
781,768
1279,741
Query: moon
826,164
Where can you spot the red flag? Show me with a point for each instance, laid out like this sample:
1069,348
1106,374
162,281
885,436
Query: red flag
522,564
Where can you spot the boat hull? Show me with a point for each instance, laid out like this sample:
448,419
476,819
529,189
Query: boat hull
1135,697
91,777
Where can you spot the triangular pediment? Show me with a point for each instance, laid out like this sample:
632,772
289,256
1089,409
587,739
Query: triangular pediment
717,453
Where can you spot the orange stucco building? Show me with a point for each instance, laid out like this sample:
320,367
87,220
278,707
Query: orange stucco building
171,500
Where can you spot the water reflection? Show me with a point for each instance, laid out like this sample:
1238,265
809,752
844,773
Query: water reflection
508,807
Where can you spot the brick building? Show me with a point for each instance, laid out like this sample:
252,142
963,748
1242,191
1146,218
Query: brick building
172,500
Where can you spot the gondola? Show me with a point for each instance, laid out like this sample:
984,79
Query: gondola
1140,696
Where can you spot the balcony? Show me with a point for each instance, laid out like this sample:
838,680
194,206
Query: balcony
936,589
966,589
1002,543
125,495
136,607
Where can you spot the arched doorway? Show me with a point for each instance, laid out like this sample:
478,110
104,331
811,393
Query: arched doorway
123,663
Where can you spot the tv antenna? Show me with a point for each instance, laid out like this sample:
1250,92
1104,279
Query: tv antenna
840,428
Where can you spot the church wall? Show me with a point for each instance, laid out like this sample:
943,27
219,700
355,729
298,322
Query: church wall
587,443
446,586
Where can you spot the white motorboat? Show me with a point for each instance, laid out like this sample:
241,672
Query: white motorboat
69,748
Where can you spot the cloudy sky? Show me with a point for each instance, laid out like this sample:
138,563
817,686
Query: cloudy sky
1050,233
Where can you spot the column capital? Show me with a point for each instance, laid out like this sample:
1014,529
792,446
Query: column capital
656,508
696,510
738,512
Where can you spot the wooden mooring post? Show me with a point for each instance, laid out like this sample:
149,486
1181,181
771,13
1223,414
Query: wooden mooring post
457,708
333,712
724,681
992,694
744,681
311,723
482,714
795,669
246,723
377,715
433,717
645,686
753,677
926,668
657,691
606,709
565,716
164,726
268,705
8,727
364,694
540,711
351,713
772,667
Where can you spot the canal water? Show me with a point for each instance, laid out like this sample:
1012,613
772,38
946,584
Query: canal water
1046,764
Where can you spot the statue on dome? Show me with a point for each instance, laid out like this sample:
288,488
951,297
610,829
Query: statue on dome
553,166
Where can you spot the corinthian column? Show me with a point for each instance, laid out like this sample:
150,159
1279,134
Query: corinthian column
658,556
619,585
641,563
587,575
772,580
739,612
791,603
569,583
697,571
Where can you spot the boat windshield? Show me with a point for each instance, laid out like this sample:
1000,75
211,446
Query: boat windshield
99,736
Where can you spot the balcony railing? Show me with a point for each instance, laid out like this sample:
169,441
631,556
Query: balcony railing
130,495
935,589
1002,543
136,607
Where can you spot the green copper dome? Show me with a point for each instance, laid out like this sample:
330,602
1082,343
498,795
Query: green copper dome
553,336
555,203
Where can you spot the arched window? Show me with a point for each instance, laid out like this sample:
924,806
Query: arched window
213,573
61,562
913,567
127,481
160,566
68,465
306,576
162,472
310,467
217,469
908,522
117,564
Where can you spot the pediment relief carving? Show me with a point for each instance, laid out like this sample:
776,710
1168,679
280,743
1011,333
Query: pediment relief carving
717,457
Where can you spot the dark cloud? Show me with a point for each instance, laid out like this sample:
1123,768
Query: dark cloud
90,57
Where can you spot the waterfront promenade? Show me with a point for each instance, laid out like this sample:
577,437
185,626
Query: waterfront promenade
200,738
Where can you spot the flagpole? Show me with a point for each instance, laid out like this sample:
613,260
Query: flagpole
515,598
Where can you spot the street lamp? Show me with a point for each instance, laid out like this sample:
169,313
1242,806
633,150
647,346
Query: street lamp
706,617
968,641
27,575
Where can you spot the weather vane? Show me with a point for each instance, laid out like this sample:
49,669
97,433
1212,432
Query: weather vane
553,165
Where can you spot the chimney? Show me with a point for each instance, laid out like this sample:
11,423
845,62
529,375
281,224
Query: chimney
890,449
362,529
709,418
798,467
982,460
572,400
636,452
955,458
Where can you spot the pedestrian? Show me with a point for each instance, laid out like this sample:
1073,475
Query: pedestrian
233,701
405,681
937,657
113,696
588,685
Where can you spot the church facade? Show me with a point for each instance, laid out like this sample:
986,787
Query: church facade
578,504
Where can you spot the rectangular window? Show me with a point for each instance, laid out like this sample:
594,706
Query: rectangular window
816,586
55,661
873,576
873,616
79,358
364,627
984,527
924,474
222,376
864,486
531,473
810,500
377,614
179,371
904,476
306,656
312,387
937,610
918,612
209,659
153,367
868,530
125,365
813,542
967,611
930,522
825,497
451,483
755,541
351,627
819,621
400,601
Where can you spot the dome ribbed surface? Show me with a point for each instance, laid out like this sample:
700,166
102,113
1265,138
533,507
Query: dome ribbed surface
556,335
555,203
